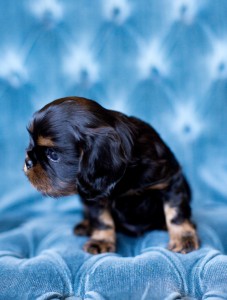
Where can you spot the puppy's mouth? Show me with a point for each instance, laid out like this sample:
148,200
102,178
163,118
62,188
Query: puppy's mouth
40,180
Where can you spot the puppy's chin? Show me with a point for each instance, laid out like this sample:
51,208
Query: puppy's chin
40,180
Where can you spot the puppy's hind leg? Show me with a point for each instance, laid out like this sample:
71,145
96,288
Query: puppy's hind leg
183,236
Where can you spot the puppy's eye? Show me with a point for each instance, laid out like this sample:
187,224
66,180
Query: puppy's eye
52,155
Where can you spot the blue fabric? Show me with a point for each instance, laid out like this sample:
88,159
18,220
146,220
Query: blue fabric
164,61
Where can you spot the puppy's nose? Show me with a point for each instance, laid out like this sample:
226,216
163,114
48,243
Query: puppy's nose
28,163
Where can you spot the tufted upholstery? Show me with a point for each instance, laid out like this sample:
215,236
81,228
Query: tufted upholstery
164,61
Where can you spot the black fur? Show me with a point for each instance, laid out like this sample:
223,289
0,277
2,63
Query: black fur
113,161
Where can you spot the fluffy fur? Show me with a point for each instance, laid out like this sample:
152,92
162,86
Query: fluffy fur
126,176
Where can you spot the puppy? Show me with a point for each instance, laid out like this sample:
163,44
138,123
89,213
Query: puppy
126,176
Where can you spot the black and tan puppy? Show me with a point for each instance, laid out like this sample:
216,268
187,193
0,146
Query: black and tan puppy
126,176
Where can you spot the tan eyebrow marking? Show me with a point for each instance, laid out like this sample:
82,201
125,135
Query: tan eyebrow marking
45,141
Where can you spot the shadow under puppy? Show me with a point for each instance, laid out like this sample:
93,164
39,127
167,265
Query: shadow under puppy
126,176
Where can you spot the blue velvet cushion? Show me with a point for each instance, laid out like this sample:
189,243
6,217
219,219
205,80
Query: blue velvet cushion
163,61
40,258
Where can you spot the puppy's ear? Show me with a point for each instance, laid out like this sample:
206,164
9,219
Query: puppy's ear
103,162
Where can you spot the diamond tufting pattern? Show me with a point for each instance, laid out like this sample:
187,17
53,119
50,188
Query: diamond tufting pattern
163,61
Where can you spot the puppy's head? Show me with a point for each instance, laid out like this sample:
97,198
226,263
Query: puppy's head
76,144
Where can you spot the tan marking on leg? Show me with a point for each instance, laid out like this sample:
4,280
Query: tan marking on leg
106,218
45,141
182,236
102,240
104,235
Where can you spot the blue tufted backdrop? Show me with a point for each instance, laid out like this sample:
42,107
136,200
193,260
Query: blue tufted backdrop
161,60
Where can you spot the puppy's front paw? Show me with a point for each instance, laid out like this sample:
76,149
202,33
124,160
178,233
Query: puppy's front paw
186,243
97,247
83,228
